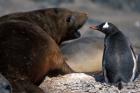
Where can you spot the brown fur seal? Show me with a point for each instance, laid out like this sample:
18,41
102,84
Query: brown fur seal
84,54
29,42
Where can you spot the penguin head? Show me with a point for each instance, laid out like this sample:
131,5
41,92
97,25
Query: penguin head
106,28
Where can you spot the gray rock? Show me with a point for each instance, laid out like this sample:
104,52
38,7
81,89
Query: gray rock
82,83
5,86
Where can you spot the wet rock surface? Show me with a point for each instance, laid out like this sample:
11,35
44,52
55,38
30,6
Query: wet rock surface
82,83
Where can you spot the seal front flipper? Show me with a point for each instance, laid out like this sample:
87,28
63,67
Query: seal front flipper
51,61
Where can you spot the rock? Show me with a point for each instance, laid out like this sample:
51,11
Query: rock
5,86
82,83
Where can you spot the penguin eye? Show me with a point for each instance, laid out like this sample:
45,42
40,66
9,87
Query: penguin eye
70,19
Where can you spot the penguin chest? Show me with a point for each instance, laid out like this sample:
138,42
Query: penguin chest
119,64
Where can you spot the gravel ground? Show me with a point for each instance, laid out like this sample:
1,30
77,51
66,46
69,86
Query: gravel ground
82,83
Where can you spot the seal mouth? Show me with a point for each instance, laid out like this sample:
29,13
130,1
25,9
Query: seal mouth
76,34
77,29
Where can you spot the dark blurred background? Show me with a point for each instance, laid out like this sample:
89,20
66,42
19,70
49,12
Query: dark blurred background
123,13
17,5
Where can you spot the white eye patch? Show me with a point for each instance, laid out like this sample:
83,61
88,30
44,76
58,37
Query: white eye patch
106,25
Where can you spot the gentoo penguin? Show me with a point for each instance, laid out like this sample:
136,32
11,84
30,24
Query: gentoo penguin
119,60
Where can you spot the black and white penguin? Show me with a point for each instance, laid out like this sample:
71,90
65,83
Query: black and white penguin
119,59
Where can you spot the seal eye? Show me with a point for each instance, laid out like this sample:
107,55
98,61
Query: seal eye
56,10
70,19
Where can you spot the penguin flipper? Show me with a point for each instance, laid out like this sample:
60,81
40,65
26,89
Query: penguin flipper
137,68
133,50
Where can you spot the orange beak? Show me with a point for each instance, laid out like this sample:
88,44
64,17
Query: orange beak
93,27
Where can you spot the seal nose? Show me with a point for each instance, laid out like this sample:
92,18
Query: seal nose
85,13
